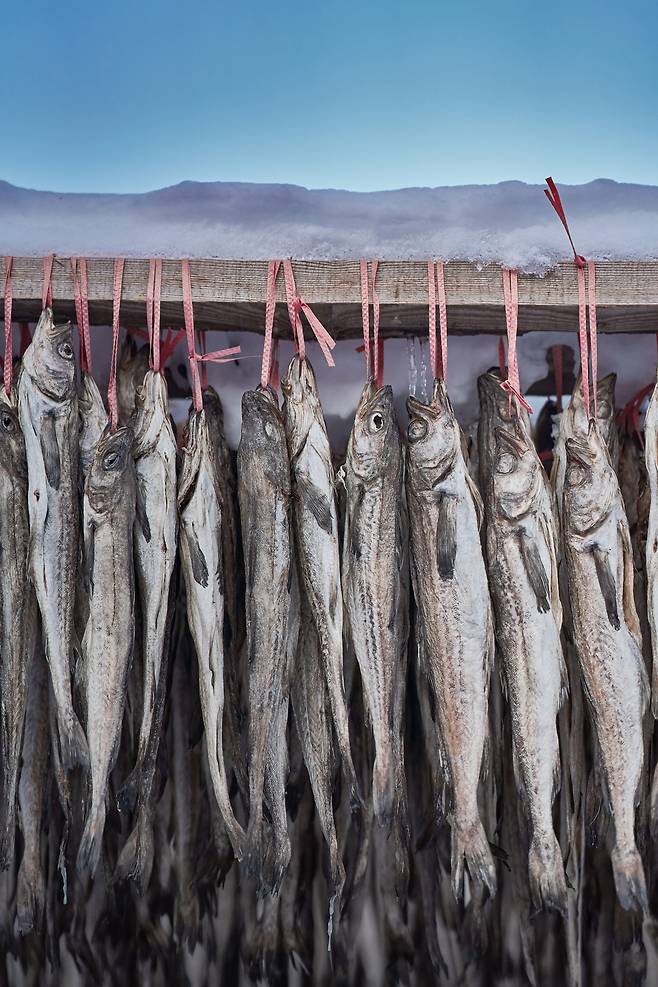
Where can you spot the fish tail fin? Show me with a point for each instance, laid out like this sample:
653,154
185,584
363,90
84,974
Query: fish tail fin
469,845
8,836
136,858
30,900
382,790
629,878
91,843
548,885
73,743
127,794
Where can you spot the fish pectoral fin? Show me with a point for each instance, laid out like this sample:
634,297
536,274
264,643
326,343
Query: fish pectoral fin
198,559
50,451
446,537
140,513
317,502
535,571
607,585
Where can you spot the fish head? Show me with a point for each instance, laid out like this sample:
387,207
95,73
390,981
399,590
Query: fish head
375,438
605,407
433,434
151,406
93,418
49,359
212,404
590,483
111,477
193,446
517,475
301,403
262,438
133,366
12,443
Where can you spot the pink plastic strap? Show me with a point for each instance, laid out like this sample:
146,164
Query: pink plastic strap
436,278
297,305
558,374
270,309
153,297
582,337
511,293
593,340
431,301
443,316
219,356
365,313
116,307
9,348
46,290
81,296
188,312
169,345
378,349
553,197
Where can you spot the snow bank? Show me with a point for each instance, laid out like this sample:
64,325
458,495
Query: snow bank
510,223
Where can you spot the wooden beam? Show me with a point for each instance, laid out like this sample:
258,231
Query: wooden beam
229,295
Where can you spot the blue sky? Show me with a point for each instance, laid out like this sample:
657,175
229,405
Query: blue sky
133,96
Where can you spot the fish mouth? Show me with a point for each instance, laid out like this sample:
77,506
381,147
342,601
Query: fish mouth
373,397
515,442
578,451
299,377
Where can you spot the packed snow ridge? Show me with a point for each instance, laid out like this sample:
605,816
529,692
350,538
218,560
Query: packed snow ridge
510,223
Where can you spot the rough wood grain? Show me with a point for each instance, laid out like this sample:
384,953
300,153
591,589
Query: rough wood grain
230,295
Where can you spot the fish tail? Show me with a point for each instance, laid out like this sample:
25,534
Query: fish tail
91,844
136,858
73,743
629,878
127,794
469,845
382,790
548,886
30,900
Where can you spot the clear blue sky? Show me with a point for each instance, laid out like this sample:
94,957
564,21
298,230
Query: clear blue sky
116,96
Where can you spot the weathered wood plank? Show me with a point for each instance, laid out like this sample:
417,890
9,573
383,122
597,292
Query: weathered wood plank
230,294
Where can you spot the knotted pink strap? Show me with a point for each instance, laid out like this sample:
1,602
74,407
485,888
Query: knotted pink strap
81,296
188,312
436,279
593,338
46,290
116,306
511,294
153,296
373,355
553,197
297,305
9,347
270,308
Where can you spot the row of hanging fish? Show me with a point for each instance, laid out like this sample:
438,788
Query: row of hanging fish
409,697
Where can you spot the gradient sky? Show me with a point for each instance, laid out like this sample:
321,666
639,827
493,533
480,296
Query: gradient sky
134,96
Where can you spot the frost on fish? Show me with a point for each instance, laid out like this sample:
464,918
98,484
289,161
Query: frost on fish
454,624
48,412
521,542
607,635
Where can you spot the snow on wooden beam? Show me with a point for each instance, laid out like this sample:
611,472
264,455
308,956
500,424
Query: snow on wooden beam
229,295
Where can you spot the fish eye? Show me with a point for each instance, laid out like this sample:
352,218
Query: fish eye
417,429
376,422
575,476
65,350
505,463
111,460
7,422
